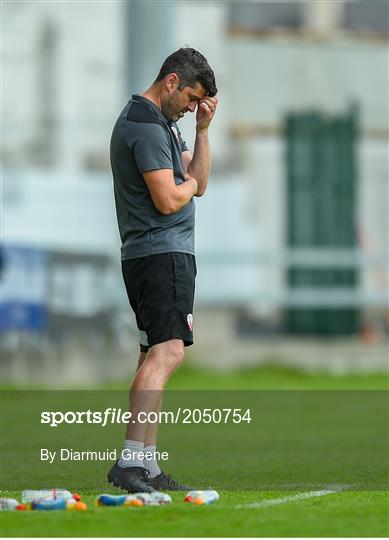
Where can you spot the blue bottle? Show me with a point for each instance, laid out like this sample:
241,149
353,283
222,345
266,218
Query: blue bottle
56,504
111,500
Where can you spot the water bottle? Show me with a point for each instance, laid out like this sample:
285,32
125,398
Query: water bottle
8,504
118,500
154,499
30,495
49,504
57,504
202,497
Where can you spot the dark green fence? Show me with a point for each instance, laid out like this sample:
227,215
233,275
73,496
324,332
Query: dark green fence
321,213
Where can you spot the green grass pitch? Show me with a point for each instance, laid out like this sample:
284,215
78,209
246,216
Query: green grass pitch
239,512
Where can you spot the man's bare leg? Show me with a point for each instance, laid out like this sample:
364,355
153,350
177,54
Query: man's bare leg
147,386
145,394
141,359
152,429
150,444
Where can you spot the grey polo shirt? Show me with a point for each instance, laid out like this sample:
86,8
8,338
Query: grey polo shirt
135,149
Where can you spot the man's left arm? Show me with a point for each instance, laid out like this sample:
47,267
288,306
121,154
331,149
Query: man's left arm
199,165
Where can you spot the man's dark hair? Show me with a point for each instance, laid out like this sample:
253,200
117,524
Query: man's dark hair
191,67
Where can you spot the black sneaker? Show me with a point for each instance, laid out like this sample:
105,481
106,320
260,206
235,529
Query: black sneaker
131,479
164,482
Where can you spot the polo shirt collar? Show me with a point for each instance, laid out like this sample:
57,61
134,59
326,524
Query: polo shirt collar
153,106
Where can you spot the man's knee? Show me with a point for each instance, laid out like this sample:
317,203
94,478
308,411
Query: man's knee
169,353
176,351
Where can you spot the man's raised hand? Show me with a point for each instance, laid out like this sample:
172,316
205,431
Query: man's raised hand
205,112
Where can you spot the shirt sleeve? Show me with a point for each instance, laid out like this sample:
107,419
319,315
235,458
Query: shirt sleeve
151,148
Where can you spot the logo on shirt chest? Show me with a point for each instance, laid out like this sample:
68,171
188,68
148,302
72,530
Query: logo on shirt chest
174,130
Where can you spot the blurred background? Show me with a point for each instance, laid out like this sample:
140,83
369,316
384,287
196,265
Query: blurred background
292,235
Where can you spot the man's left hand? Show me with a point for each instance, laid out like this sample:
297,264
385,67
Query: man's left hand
205,112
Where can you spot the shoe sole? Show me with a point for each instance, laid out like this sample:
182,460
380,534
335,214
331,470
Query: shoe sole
115,482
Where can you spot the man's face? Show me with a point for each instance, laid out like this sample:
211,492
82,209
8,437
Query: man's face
178,102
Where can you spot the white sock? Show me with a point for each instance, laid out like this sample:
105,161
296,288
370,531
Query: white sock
151,464
130,455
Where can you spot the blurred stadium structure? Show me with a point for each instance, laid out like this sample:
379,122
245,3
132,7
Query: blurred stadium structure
292,236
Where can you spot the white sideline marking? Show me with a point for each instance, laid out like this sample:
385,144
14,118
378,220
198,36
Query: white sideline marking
291,498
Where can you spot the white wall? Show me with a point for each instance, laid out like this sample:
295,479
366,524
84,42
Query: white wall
203,27
373,212
268,78
88,72
258,80
60,211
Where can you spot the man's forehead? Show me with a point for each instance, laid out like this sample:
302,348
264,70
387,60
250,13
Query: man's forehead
196,91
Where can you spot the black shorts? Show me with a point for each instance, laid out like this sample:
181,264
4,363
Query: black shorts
160,289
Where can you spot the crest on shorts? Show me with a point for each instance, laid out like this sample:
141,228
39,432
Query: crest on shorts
189,319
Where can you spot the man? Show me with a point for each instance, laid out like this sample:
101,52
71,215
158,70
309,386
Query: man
155,180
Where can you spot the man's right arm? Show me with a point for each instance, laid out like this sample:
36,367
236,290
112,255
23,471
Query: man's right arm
167,197
151,149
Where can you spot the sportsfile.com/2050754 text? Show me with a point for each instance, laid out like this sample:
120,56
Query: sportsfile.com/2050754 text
118,416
